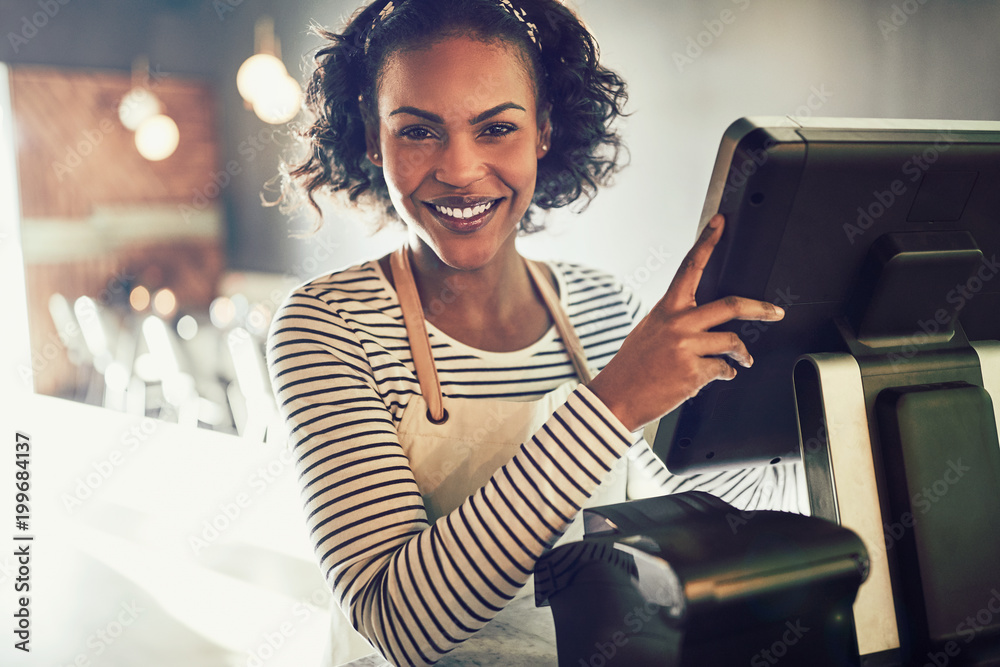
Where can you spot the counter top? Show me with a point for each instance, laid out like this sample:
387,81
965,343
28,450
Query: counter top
156,545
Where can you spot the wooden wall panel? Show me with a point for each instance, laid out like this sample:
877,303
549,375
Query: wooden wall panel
74,157
74,153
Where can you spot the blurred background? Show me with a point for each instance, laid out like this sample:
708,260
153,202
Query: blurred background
151,278
141,270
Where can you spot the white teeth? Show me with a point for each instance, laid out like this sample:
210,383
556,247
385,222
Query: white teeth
466,213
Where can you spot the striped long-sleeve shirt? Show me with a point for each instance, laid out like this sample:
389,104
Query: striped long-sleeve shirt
342,373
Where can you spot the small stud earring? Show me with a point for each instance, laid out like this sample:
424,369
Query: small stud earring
545,147
375,157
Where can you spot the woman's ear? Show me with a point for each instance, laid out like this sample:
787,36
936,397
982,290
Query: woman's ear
544,131
373,146
374,150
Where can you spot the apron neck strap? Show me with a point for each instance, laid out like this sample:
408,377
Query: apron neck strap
565,328
420,346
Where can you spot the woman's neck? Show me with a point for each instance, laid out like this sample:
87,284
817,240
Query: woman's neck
494,307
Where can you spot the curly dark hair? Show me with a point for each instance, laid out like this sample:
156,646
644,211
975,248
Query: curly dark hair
585,97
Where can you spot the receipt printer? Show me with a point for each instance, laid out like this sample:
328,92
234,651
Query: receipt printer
688,579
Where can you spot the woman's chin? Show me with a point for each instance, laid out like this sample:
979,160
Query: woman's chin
469,252
467,256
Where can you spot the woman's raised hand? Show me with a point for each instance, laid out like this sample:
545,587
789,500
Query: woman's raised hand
671,354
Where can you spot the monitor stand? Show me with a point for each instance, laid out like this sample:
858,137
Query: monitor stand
899,443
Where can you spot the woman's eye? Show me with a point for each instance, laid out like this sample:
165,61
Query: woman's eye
416,133
499,130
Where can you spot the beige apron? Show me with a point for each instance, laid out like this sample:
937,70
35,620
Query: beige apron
475,437
454,446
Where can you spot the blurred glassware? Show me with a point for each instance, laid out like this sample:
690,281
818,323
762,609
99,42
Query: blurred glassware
222,312
251,381
187,327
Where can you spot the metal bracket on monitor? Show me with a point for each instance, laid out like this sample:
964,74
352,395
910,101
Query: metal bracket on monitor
848,483
840,470
989,361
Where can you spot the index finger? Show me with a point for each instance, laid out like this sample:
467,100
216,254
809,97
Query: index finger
734,308
681,293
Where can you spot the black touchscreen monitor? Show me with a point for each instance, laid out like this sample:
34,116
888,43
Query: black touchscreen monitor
809,203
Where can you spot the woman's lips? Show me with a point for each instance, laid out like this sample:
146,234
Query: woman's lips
464,217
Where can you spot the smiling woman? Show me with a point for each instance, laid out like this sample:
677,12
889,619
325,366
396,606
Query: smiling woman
441,451
453,173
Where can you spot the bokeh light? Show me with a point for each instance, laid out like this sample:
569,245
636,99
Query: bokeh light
187,327
164,302
157,138
139,299
222,312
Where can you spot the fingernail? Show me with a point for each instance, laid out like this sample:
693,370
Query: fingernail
749,363
779,310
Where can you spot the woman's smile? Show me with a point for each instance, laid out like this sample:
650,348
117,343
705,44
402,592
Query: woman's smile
464,215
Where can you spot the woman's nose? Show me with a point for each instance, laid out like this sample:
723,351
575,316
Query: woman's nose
461,162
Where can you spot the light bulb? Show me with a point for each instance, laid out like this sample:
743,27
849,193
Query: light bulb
257,74
280,102
157,138
138,105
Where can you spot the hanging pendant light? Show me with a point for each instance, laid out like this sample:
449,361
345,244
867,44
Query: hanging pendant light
156,134
258,73
139,103
280,102
157,138
264,82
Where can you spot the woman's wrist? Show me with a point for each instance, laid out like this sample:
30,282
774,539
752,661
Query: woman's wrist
604,390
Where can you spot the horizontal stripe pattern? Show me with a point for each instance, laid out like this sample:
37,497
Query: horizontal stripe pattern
342,373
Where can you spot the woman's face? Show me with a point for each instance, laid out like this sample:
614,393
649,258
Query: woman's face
459,141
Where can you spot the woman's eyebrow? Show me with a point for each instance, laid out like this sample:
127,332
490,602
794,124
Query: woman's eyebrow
489,113
434,118
420,113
